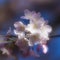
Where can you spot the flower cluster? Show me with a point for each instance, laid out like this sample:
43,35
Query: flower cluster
36,32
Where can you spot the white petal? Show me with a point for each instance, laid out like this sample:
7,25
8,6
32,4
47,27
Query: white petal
45,49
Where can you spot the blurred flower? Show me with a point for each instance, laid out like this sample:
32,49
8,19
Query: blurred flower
5,51
31,15
45,49
37,25
20,28
36,32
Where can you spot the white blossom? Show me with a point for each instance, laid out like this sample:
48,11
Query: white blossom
38,28
37,25
5,51
45,49
19,29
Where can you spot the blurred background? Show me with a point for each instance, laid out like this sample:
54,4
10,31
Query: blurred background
12,10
